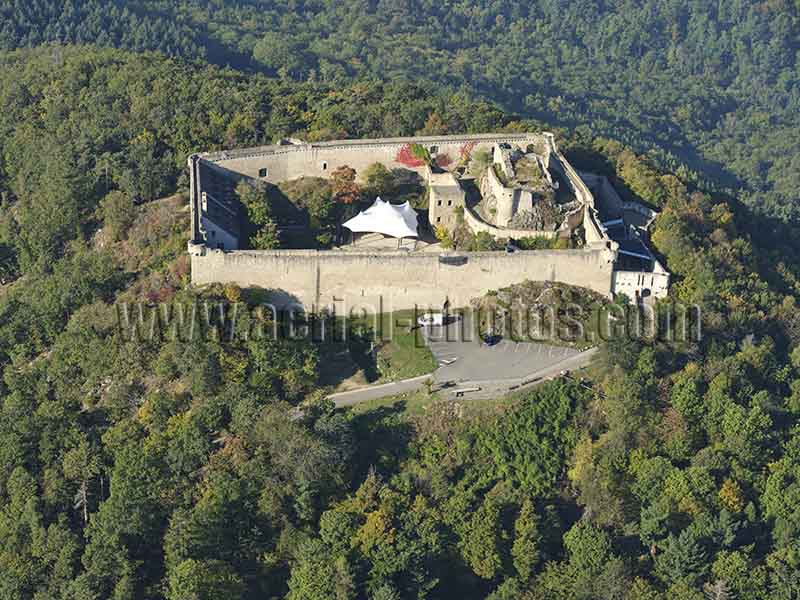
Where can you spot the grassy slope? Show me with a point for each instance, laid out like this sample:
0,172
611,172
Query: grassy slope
398,352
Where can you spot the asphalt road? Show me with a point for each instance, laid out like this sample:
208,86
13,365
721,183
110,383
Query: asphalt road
378,391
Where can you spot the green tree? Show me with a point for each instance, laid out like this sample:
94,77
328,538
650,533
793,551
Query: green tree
262,229
145,170
378,180
118,214
781,499
266,238
204,580
588,546
318,575
527,540
420,152
81,465
480,540
681,559
747,433
686,394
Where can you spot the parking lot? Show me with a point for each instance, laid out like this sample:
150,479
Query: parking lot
463,357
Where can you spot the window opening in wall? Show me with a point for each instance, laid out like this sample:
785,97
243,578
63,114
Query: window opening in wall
449,203
439,203
263,172
438,219
324,166
434,149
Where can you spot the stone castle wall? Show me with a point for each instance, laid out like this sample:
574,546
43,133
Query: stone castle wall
397,280
605,195
591,220
290,161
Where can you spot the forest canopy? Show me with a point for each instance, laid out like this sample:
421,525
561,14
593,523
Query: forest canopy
179,469
714,85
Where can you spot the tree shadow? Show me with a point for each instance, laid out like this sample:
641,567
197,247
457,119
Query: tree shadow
270,297
336,364
384,435
364,351
283,209
408,185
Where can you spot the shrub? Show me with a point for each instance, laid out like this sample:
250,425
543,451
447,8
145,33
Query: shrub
443,235
118,214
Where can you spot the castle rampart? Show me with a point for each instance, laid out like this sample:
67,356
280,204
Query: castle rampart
398,280
282,162
591,221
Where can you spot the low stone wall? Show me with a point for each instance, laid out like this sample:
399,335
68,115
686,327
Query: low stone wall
476,224
387,281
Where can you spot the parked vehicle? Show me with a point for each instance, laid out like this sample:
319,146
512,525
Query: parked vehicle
431,320
491,339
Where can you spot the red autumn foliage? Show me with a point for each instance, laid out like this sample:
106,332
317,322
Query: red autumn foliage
405,157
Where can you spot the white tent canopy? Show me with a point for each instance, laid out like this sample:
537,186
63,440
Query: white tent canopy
398,221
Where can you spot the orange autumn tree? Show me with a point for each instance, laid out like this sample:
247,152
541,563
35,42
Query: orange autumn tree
345,188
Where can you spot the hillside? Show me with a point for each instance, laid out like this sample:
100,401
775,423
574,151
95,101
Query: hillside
176,467
712,85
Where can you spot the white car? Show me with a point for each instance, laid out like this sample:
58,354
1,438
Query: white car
431,320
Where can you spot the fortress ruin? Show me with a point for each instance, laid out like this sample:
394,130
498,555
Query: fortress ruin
526,189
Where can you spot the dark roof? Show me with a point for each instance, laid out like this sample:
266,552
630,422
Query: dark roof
626,262
617,231
634,246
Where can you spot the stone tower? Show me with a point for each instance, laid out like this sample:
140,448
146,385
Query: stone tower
445,199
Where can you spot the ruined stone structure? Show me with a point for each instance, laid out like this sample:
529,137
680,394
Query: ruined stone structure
403,279
516,185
